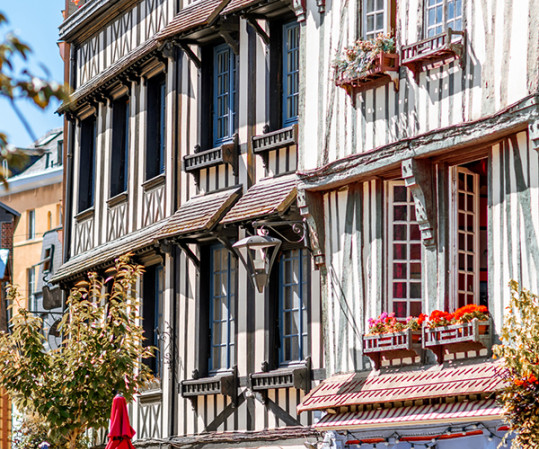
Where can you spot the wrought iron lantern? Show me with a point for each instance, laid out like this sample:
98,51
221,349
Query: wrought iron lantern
261,251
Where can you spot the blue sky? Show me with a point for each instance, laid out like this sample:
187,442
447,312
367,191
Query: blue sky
36,23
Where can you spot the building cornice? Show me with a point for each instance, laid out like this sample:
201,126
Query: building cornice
32,181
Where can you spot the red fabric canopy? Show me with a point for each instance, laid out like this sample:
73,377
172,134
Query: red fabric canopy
120,432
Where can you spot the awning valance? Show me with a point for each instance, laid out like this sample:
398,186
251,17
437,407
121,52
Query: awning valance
270,196
365,388
477,411
200,214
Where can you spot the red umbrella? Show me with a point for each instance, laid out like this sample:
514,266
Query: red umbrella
120,432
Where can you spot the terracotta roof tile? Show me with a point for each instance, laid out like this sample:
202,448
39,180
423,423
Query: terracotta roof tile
237,5
200,213
482,410
269,196
199,14
374,387
106,253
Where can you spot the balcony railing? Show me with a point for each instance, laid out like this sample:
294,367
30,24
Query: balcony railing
395,347
392,347
463,337
296,376
276,139
225,154
441,48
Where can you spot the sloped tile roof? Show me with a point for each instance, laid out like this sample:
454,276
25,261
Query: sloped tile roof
269,196
237,5
485,409
201,13
106,253
374,387
200,213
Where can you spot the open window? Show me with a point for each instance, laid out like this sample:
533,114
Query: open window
87,163
120,146
404,250
469,201
155,126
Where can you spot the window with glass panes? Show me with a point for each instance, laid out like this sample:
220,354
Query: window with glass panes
404,253
222,309
120,146
374,18
290,73
224,94
155,126
443,14
466,235
152,313
294,267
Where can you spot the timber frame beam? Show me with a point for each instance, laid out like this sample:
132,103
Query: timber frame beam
417,175
311,207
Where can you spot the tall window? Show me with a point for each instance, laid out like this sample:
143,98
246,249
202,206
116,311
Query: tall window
290,73
443,14
120,146
469,233
294,268
404,252
87,163
152,314
374,18
155,127
31,287
224,94
222,309
31,224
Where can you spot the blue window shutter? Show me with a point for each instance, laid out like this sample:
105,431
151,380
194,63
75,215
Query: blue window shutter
290,73
224,94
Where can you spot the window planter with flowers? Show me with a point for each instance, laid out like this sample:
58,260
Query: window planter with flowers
390,340
366,65
469,328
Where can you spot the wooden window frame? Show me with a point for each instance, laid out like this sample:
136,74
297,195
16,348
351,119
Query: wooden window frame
444,24
31,224
407,260
156,94
288,118
152,314
119,160
230,322
303,309
231,104
455,241
88,129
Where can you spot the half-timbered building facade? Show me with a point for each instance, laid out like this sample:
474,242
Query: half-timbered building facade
182,139
422,195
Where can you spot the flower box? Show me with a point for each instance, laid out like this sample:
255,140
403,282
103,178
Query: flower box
384,69
461,337
392,346
440,49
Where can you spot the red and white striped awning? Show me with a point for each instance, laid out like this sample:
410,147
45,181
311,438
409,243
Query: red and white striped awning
484,410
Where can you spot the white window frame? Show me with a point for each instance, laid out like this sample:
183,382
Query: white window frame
454,239
390,202
365,13
444,23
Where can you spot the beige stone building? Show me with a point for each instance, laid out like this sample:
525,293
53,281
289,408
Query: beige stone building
36,193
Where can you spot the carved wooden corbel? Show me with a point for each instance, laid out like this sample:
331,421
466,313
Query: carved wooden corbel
417,174
311,207
300,9
533,131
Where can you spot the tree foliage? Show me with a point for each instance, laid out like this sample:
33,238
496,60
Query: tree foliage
20,84
520,352
72,388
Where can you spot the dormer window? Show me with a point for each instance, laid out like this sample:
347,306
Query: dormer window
224,94
443,14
